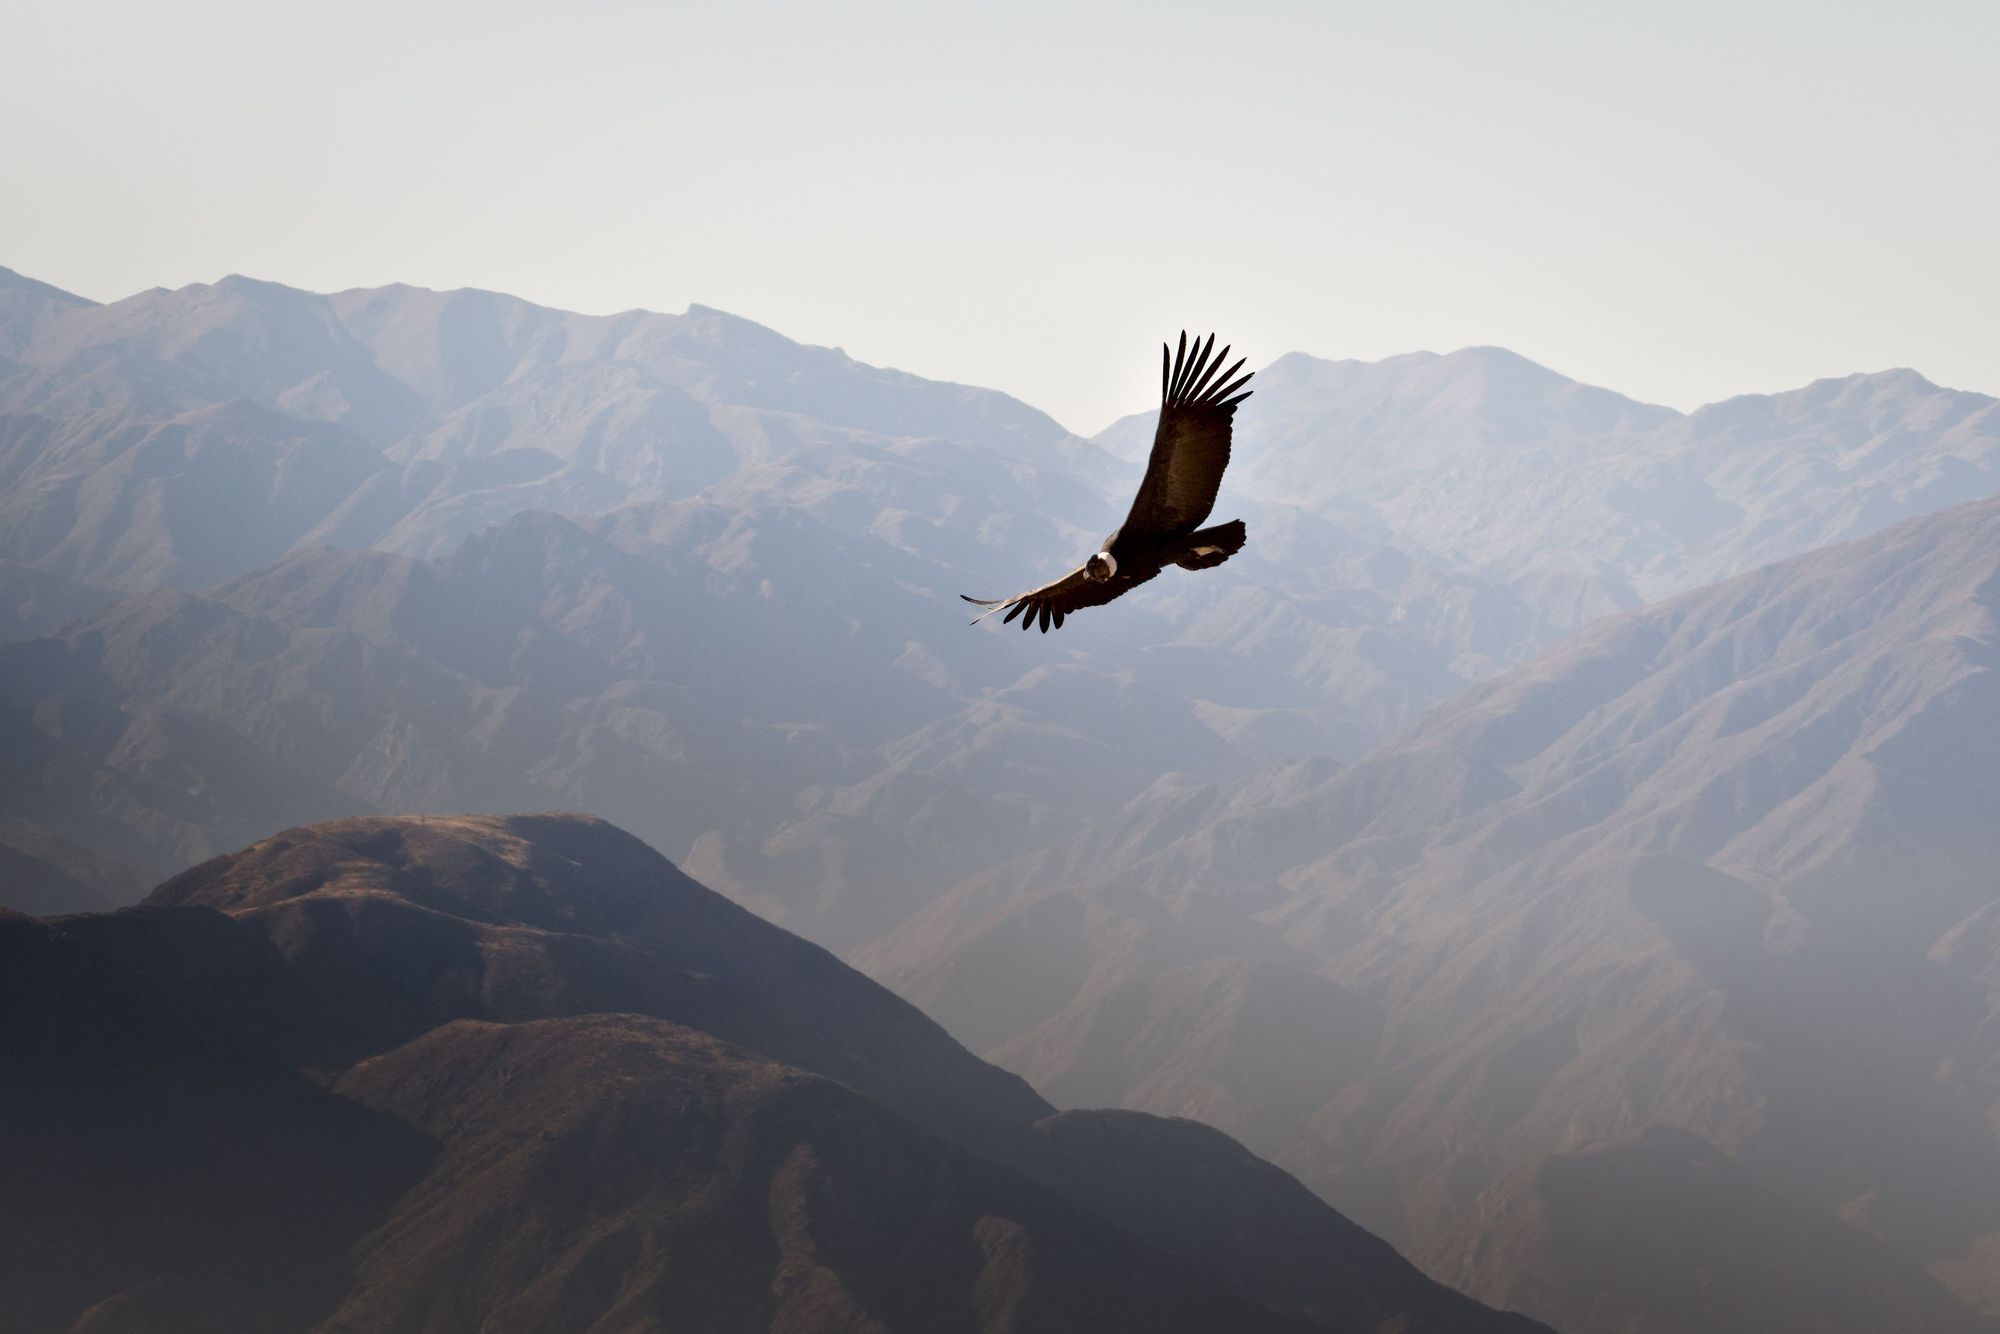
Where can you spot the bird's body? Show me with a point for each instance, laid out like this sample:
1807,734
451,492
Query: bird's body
1190,450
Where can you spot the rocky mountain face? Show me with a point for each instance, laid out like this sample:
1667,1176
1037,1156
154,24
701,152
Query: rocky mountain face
405,419
736,500
476,1072
763,504
1585,502
628,664
1724,865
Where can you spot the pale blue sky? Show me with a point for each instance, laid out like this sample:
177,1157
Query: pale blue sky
1677,201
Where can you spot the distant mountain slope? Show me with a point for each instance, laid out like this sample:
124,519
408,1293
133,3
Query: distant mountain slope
178,438
34,602
1676,1227
734,501
731,501
1586,502
36,887
1725,864
28,312
556,1083
630,665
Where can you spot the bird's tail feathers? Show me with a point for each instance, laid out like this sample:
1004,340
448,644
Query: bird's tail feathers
1206,548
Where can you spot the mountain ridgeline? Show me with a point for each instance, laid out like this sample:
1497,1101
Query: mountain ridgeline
577,545
1562,838
441,551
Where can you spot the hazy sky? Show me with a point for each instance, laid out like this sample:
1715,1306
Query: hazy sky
1679,201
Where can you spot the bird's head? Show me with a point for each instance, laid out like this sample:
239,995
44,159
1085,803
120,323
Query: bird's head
1100,567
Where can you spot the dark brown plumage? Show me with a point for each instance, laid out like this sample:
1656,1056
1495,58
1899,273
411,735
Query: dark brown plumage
1190,451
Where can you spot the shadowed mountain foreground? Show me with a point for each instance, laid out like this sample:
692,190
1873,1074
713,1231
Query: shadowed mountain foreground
482,1073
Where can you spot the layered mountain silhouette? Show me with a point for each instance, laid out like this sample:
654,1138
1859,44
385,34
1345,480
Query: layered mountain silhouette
481,1072
1724,865
734,500
1344,849
791,504
1585,501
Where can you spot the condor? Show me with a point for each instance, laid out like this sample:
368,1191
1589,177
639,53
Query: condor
1190,449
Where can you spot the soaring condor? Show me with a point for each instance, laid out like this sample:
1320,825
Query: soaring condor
1191,448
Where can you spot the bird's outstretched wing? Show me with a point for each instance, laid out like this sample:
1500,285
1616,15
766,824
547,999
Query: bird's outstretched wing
1048,605
1191,447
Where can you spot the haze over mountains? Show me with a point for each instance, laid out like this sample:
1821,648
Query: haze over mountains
181,438
1483,932
737,500
1585,501
1724,865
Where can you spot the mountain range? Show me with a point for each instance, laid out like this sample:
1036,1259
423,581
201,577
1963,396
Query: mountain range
1709,883
732,500
1422,848
179,443
1586,502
